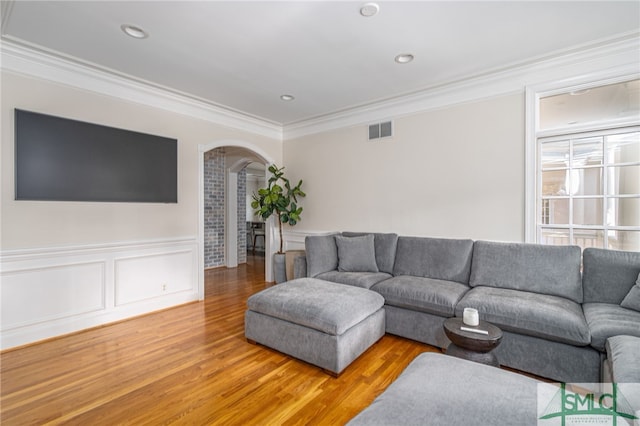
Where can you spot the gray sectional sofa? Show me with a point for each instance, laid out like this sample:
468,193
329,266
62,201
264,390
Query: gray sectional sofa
556,306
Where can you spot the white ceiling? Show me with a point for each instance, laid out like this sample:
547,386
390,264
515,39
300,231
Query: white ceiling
244,55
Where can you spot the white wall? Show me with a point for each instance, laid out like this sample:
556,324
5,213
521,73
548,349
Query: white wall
453,172
28,224
71,265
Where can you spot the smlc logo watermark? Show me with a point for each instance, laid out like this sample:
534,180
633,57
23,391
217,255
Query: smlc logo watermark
601,404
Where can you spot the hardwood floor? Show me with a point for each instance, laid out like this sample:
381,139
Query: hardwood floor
189,365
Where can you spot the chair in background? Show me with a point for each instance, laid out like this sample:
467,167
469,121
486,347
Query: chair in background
257,232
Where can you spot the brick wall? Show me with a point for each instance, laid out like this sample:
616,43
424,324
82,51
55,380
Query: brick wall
242,216
214,162
214,210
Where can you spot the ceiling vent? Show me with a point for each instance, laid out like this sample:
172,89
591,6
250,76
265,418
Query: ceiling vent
380,130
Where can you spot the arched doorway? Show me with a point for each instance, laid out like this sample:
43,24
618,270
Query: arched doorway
236,156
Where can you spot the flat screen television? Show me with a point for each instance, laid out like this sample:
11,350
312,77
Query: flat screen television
58,159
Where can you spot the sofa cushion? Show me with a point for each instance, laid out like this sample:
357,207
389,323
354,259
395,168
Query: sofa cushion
437,258
356,279
607,320
328,307
608,275
533,314
385,245
437,389
429,295
356,254
551,270
322,254
632,299
623,356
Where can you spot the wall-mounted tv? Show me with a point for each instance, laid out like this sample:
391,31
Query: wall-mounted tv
58,159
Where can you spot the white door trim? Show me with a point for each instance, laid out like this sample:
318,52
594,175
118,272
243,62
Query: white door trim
269,243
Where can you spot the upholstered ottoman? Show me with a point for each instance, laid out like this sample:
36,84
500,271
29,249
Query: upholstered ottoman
437,389
325,324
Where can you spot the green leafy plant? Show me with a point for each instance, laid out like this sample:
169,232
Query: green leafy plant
279,198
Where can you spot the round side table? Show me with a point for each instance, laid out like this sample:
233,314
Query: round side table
473,346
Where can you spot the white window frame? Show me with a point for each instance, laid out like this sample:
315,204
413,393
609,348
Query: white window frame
533,94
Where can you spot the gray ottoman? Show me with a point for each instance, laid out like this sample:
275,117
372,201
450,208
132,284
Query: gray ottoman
437,389
323,323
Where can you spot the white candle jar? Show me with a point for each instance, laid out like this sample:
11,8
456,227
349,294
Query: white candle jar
470,317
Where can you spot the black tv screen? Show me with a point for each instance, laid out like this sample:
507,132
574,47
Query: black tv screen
59,159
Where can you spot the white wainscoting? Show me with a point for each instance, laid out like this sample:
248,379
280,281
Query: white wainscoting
142,277
54,291
294,240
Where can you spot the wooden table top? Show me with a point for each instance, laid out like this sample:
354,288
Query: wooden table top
470,340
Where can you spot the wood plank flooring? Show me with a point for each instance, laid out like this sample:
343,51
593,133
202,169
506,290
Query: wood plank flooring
189,365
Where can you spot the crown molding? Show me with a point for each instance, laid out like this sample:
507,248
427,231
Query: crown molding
619,54
616,54
27,60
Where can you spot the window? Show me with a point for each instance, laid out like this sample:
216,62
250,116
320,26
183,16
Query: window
589,189
584,166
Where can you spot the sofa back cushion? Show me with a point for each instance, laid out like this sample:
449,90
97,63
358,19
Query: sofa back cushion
385,247
544,269
608,275
437,258
356,254
322,254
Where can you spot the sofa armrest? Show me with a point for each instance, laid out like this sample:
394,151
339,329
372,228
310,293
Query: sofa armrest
623,353
300,266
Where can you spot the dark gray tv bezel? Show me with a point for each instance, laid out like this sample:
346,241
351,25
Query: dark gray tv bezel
117,176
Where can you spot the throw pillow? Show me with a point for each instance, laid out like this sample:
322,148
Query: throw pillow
356,254
322,254
632,300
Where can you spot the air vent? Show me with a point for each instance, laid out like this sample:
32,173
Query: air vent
380,130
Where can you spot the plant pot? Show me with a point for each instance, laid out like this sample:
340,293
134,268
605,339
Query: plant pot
279,268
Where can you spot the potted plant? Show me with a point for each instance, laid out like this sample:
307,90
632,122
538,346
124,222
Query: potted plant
279,198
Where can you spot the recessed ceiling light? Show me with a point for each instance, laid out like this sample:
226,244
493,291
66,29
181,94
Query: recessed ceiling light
404,58
133,31
287,97
369,9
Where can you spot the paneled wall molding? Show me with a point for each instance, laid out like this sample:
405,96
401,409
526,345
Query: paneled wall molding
16,315
47,292
70,250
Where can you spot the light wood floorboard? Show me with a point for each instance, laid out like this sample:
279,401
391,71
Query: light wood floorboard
189,365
